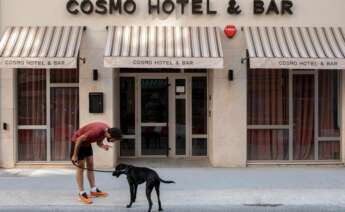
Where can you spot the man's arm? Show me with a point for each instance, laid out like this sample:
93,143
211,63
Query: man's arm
100,144
78,143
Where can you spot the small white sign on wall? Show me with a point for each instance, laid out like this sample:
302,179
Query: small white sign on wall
180,89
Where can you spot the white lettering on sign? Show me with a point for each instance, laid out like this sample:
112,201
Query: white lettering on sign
297,63
307,63
171,62
162,62
38,62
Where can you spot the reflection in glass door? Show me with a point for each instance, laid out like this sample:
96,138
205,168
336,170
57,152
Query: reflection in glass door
154,117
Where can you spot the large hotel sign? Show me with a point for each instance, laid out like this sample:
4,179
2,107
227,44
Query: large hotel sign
197,7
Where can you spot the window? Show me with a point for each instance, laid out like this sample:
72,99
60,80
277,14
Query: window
282,125
48,113
268,109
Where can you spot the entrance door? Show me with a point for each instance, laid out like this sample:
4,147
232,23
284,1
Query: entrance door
154,117
303,116
163,115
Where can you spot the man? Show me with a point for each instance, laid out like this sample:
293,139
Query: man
81,153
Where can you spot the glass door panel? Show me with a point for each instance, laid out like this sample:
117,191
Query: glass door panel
154,117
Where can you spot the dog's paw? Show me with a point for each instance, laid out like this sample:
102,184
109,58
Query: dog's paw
128,206
160,209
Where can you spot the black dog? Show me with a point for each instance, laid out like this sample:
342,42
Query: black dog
137,176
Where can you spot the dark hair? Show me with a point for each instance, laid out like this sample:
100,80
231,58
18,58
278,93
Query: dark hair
115,133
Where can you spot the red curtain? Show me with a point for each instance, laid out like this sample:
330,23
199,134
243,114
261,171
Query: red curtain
268,95
329,122
268,145
329,150
304,103
64,108
31,101
329,125
32,145
31,88
64,76
268,104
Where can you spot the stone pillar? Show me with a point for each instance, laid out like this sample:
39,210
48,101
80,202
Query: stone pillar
92,50
228,132
8,116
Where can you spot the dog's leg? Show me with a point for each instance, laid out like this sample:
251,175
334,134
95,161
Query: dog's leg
157,186
131,190
149,188
135,192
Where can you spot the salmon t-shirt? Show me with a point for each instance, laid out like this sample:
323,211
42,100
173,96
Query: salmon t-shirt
94,132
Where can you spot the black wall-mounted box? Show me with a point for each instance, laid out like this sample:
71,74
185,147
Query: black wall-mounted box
96,102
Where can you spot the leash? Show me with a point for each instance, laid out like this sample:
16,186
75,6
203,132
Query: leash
92,170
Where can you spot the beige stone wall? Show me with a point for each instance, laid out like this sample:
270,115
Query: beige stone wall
227,123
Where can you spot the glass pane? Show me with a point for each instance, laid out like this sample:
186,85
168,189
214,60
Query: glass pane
127,148
329,150
64,76
268,144
199,105
32,145
64,109
154,100
127,105
329,102
180,126
268,97
154,141
199,147
31,99
303,117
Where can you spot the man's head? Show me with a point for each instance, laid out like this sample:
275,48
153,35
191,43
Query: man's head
113,134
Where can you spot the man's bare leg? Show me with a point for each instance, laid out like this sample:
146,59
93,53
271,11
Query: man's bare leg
95,192
90,174
80,175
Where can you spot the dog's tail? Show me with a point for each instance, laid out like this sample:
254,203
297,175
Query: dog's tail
166,181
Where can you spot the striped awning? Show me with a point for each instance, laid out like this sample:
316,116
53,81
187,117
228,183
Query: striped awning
296,47
163,47
40,47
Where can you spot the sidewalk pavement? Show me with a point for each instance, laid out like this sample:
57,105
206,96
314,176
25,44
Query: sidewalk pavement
196,189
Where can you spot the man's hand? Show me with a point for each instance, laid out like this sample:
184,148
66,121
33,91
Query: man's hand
106,147
75,159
